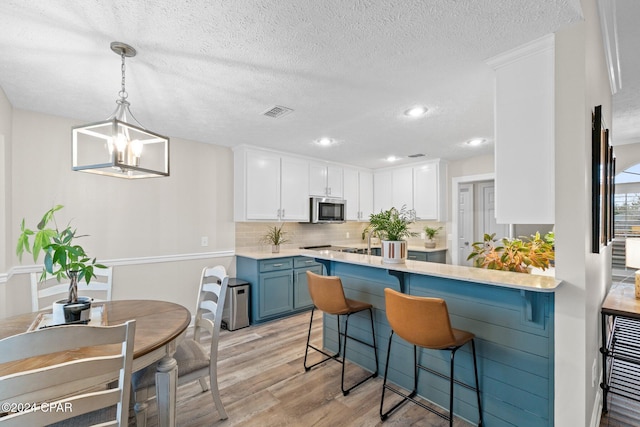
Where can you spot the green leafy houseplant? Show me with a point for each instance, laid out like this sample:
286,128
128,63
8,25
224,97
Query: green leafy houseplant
275,236
512,254
431,232
392,224
62,258
392,227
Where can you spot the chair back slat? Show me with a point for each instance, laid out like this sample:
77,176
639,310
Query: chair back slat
43,294
80,358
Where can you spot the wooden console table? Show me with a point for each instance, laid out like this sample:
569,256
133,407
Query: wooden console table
620,349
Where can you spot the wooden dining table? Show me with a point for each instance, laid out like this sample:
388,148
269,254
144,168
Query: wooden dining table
160,326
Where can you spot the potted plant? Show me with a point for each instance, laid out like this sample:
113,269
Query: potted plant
392,227
431,233
512,254
62,259
275,237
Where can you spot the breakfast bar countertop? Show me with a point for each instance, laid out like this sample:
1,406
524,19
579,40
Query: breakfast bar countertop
527,282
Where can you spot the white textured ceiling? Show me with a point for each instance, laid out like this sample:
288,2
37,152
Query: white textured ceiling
207,69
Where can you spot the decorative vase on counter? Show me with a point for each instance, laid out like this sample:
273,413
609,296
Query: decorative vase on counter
394,252
275,249
430,244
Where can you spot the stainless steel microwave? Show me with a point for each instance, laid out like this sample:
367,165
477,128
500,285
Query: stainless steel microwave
327,210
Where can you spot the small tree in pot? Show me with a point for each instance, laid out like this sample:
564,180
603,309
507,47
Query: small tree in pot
62,258
392,227
431,233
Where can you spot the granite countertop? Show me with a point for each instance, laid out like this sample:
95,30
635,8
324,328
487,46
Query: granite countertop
532,282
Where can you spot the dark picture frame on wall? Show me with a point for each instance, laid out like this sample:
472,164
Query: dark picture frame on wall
603,167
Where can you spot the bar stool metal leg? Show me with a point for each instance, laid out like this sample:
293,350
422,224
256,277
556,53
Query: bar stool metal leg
344,355
410,397
342,348
328,356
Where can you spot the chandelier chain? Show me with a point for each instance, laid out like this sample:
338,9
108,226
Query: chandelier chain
123,93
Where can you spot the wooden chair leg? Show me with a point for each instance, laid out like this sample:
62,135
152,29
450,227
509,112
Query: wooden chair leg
215,392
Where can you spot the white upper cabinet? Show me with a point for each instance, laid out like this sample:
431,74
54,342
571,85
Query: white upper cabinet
270,187
524,133
429,187
325,180
382,190
402,188
262,186
294,197
420,188
358,192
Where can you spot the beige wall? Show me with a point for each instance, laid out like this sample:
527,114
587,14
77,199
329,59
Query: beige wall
150,230
5,193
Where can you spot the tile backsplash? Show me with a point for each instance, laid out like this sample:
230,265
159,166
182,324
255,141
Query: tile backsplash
249,234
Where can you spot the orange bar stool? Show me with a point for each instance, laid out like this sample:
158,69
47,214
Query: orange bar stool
328,296
424,322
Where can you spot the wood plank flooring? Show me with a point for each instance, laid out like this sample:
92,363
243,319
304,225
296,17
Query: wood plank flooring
622,412
263,383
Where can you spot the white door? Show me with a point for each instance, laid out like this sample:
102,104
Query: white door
465,223
487,211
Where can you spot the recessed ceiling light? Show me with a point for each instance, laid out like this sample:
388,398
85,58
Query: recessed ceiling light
325,141
417,111
392,158
476,141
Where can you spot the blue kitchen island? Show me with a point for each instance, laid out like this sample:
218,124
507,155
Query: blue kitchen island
511,314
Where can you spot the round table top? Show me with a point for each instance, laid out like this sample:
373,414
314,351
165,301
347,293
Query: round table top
157,322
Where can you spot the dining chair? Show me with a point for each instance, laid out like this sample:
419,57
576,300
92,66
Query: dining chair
194,362
43,294
57,381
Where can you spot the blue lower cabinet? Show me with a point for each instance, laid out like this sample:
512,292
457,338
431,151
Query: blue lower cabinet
278,285
275,293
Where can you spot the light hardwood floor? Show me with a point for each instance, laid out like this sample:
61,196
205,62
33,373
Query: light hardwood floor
263,383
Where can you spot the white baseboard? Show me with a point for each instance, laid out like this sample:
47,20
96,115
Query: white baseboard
597,409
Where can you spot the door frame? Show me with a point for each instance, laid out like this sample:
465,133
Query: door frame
455,187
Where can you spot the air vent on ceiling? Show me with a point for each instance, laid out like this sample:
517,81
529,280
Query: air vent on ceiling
277,111
416,155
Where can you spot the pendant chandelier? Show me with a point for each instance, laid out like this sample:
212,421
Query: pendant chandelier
120,146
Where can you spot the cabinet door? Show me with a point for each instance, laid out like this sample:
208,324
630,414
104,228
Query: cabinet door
301,297
426,191
351,184
382,191
366,195
402,188
318,180
334,181
417,255
295,190
275,293
263,185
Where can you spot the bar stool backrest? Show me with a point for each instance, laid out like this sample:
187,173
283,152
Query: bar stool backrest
421,321
327,293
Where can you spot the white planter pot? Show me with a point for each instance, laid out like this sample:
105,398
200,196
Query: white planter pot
83,309
394,252
430,244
